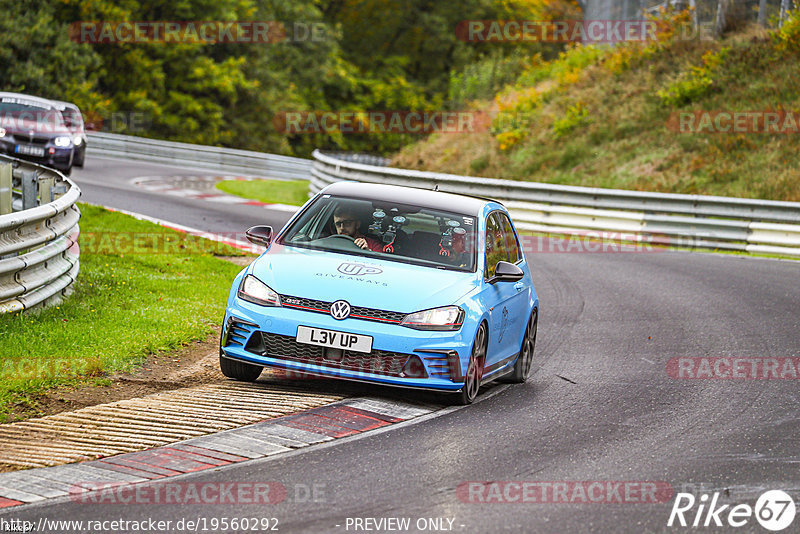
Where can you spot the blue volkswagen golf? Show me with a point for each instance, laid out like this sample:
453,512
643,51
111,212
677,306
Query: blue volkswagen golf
389,285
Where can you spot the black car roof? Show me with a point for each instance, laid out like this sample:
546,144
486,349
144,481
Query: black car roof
426,198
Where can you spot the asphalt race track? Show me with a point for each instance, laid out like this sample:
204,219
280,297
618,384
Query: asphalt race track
107,182
601,406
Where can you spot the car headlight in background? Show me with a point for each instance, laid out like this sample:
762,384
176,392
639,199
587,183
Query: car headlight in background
77,140
254,290
62,141
445,318
2,132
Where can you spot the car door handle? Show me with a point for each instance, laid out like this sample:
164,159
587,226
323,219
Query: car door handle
519,286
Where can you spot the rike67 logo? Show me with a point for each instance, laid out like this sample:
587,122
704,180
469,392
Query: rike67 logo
774,510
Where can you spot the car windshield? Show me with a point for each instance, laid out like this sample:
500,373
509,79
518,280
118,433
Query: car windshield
14,112
386,230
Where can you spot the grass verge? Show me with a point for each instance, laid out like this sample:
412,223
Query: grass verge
142,290
292,192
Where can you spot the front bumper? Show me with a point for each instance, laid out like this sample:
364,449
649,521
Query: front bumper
61,158
266,336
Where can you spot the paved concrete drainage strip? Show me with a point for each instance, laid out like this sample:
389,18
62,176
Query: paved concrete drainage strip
175,432
156,419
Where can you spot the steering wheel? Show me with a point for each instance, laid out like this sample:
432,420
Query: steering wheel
344,241
343,236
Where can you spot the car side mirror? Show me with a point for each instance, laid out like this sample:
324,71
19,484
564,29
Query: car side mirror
506,272
259,235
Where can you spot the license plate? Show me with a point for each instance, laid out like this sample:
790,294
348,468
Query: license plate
333,339
30,150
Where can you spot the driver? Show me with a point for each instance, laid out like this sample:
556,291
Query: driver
347,223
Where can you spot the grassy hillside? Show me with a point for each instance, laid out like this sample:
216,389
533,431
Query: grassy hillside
599,117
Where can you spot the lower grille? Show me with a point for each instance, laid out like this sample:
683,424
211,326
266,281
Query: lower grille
377,362
37,140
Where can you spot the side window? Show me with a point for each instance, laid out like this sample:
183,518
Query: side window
511,239
495,245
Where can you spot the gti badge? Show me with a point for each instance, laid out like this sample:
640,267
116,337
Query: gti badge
357,269
340,310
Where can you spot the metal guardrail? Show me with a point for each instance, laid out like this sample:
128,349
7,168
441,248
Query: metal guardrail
366,159
39,254
691,221
198,156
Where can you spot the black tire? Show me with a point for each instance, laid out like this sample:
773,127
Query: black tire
237,370
474,374
522,367
79,158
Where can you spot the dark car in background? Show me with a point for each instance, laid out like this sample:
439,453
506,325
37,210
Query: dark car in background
33,128
73,118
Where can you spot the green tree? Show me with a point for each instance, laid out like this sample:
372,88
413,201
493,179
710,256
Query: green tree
37,56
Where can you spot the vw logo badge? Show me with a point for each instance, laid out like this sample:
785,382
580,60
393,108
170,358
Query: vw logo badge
340,310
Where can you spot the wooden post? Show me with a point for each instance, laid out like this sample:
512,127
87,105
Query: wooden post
5,188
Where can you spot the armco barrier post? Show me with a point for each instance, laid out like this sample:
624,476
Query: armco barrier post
29,190
5,188
46,190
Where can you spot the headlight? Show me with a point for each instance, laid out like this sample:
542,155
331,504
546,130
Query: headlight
446,318
62,141
2,132
254,290
77,140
